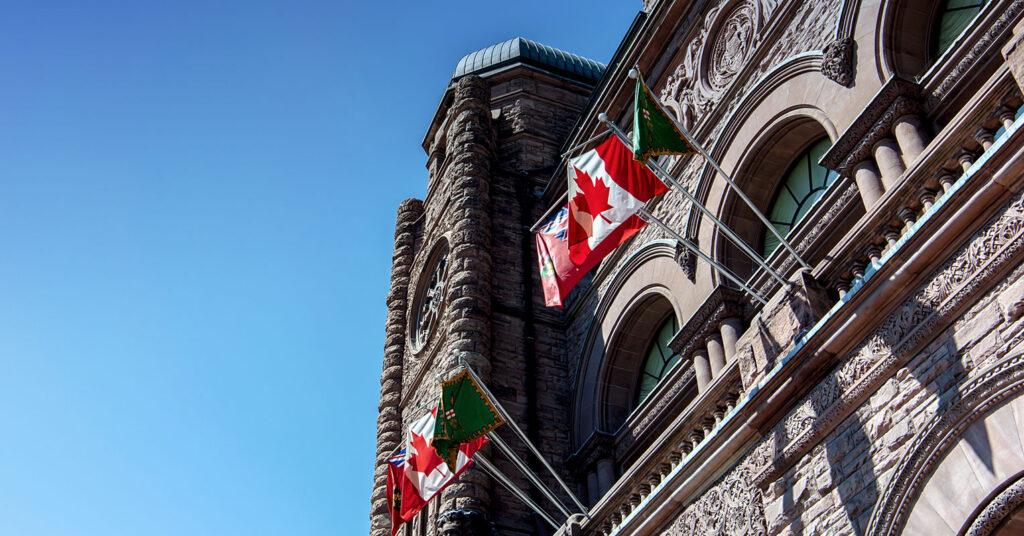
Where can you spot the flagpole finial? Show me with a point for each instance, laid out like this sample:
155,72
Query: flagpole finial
602,117
633,73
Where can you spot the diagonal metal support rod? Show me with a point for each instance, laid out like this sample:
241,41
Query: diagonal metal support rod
489,468
525,469
529,444
666,177
634,73
646,214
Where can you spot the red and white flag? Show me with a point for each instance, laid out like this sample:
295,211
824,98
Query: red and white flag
425,472
558,274
606,189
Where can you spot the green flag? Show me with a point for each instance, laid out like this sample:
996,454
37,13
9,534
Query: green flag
654,132
464,414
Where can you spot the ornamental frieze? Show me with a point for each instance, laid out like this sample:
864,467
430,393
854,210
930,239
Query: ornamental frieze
715,56
732,506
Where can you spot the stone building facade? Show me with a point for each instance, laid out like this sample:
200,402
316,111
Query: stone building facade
881,391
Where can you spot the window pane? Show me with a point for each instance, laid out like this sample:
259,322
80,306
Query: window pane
802,186
954,17
659,359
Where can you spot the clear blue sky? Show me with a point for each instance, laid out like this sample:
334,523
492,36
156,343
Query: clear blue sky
197,201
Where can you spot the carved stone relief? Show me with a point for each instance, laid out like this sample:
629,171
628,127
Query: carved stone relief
898,335
733,506
714,57
838,62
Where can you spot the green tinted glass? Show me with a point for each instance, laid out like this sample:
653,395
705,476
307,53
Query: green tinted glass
954,17
659,359
803,184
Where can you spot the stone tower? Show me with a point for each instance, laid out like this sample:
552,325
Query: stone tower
462,284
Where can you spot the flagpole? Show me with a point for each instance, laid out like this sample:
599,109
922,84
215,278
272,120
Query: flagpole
647,215
488,467
521,465
512,424
666,177
634,73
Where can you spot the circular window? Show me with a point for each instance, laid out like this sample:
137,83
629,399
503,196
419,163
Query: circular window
430,298
659,360
803,184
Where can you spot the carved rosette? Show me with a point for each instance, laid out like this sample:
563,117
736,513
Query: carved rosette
838,61
733,44
714,57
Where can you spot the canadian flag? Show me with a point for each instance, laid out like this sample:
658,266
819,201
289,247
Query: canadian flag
425,473
606,189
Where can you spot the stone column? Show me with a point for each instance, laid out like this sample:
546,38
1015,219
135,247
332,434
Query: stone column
467,320
910,137
593,487
869,183
716,354
389,419
730,329
887,156
605,475
701,369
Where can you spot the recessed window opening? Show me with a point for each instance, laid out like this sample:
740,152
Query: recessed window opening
804,183
953,18
659,360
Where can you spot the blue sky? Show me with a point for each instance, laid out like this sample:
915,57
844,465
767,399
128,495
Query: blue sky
197,201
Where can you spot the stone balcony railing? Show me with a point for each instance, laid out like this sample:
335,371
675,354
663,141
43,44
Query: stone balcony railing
926,181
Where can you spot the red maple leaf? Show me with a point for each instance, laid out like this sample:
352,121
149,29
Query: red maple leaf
592,196
426,459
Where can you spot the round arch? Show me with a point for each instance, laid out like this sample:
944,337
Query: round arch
964,466
790,108
650,286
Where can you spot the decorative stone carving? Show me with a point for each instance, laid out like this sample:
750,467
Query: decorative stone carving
839,60
984,47
687,261
1001,382
896,99
714,57
663,402
972,266
733,506
722,303
998,509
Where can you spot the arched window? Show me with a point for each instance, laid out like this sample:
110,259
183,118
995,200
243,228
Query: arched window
953,17
659,359
802,185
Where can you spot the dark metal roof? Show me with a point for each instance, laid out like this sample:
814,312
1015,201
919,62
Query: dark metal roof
520,50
